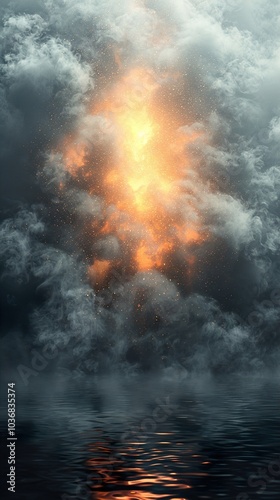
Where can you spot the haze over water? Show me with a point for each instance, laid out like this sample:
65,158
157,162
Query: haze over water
148,438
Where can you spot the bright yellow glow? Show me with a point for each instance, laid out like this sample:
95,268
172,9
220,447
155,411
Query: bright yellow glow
141,172
141,169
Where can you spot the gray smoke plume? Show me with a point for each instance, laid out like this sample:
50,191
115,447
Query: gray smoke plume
56,58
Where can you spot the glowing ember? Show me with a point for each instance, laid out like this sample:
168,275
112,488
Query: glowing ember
141,183
99,270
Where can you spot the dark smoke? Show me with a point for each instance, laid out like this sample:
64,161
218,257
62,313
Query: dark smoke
56,57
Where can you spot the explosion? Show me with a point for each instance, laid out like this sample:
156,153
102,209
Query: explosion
143,163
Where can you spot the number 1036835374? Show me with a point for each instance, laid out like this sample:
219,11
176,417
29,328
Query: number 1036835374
11,445
11,407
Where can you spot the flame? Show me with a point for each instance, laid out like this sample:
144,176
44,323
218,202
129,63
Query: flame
141,183
74,156
99,270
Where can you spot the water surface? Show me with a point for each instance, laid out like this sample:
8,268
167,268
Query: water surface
148,439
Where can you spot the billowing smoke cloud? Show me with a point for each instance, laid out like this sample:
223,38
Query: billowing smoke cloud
57,61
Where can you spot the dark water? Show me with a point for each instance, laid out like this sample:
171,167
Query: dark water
147,439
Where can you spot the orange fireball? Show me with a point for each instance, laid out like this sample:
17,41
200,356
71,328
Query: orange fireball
141,184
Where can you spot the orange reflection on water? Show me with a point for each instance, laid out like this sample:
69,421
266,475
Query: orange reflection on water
130,495
130,472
